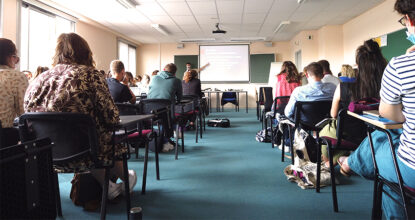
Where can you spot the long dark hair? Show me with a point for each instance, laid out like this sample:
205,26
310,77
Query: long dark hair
290,69
7,49
371,65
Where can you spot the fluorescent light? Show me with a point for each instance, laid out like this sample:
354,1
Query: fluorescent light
282,25
128,4
300,1
195,40
160,29
239,39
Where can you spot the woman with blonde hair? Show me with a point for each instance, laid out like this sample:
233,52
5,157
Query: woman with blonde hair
347,73
75,85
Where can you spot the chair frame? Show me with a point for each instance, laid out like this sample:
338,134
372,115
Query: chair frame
90,151
270,118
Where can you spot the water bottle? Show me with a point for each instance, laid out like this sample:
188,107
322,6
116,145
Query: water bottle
136,213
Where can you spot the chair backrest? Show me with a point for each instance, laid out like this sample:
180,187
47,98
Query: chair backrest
127,109
1,135
26,181
280,103
194,98
264,94
73,134
147,105
311,112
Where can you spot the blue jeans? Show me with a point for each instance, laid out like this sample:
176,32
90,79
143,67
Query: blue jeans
361,163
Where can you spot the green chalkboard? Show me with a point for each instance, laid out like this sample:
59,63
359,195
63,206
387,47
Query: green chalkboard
397,44
181,60
260,66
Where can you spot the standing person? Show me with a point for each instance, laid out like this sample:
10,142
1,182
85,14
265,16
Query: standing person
13,85
328,75
367,83
119,91
397,98
75,85
189,67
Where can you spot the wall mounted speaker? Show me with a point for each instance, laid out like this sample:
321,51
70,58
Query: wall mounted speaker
180,46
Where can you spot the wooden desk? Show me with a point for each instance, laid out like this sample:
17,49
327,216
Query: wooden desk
372,120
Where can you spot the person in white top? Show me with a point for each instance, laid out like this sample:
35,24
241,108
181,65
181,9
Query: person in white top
328,75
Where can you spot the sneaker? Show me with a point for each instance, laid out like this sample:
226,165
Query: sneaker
286,149
114,190
132,180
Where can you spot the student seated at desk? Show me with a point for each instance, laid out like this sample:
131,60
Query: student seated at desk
165,85
397,98
191,84
347,74
13,85
119,91
75,85
328,75
315,90
371,64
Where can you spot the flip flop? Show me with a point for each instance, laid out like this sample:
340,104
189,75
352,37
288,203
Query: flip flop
342,170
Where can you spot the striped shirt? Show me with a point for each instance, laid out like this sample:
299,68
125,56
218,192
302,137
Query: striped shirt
398,86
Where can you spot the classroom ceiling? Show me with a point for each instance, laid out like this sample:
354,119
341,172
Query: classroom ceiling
190,19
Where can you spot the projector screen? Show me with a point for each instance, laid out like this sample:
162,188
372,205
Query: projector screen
227,63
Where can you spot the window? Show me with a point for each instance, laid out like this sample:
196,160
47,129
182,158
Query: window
1,18
127,54
39,31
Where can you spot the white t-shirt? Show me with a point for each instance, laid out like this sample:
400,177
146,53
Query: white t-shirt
328,78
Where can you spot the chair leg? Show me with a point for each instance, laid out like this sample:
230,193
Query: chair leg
377,200
182,132
272,133
136,150
319,167
333,181
204,121
200,125
156,153
177,142
197,130
126,184
143,188
105,194
283,144
57,195
290,135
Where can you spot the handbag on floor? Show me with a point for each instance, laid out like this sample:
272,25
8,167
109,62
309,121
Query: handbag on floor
224,123
86,191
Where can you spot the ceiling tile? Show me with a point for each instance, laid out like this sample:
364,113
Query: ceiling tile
230,7
207,19
176,8
163,20
184,20
172,29
255,6
203,8
190,28
253,18
150,9
230,18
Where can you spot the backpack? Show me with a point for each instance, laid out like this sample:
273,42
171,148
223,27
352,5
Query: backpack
86,191
224,123
263,135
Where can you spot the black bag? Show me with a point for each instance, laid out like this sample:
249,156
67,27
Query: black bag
224,123
86,191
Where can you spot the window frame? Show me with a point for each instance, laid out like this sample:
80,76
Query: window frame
130,45
1,18
42,9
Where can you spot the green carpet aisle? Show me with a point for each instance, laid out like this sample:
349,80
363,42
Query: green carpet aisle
228,175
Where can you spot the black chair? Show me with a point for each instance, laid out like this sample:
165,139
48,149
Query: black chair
277,107
74,136
407,194
27,181
198,112
140,136
229,97
338,143
306,116
264,97
183,113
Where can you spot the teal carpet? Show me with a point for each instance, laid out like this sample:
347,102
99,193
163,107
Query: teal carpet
228,175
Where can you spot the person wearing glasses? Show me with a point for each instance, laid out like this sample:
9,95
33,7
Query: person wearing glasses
397,103
13,86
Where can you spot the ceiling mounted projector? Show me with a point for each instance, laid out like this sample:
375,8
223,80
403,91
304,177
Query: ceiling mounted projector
218,30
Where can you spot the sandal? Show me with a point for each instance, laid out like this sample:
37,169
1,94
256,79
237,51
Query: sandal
343,171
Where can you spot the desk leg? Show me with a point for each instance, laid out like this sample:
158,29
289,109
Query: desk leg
209,103
237,97
217,102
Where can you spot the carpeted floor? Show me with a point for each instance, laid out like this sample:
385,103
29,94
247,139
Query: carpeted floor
228,175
